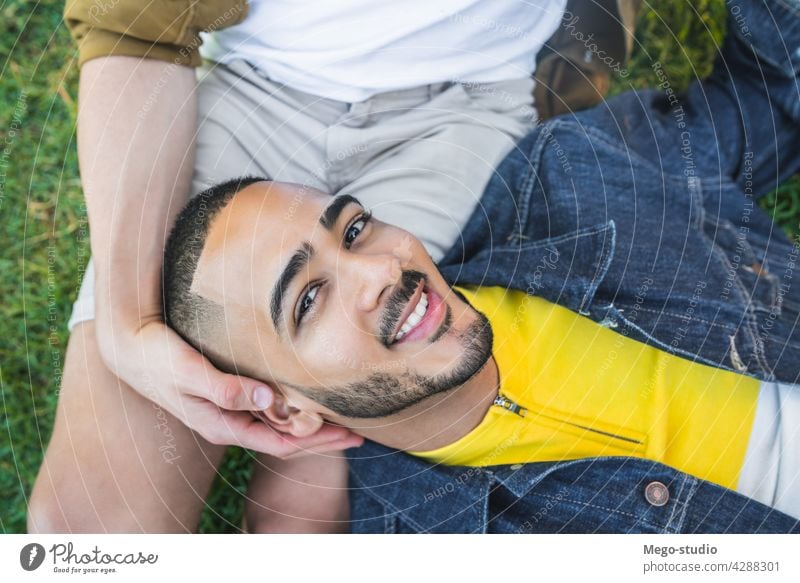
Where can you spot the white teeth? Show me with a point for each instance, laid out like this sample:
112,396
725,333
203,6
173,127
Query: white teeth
415,317
412,321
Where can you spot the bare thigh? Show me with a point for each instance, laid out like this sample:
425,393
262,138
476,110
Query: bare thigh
116,462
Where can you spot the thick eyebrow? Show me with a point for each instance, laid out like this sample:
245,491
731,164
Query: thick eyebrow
293,267
331,213
301,257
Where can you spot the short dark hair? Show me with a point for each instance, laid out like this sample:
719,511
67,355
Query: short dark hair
187,313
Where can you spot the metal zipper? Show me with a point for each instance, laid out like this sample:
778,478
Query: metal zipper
502,401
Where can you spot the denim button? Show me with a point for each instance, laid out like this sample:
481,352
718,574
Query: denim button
516,467
656,493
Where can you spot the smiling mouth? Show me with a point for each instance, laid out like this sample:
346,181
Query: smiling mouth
413,315
426,315
402,326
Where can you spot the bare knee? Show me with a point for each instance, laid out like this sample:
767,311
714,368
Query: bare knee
45,514
59,505
104,471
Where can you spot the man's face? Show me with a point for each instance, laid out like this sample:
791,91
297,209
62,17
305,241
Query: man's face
342,311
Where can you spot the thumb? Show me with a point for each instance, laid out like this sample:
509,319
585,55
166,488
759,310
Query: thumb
199,377
238,393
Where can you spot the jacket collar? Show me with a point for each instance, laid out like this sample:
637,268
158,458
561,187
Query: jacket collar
566,270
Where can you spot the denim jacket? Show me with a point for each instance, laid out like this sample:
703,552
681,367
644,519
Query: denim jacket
640,214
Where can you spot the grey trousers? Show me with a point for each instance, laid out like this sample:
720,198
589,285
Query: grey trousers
418,158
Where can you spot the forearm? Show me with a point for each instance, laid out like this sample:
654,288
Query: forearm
136,122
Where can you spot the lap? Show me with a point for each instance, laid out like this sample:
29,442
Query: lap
419,157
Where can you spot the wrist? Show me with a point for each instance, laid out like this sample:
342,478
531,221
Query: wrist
128,303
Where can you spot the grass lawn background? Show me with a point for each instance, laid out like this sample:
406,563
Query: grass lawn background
44,234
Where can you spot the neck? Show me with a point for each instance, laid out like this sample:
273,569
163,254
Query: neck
440,419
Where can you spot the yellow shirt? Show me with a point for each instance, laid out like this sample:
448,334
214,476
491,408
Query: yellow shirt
588,391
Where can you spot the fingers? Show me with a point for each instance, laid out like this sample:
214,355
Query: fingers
340,445
226,391
242,429
329,438
218,405
193,374
237,393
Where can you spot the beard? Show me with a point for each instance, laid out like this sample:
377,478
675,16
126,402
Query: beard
382,394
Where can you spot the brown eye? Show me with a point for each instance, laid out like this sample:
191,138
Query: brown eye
355,228
307,302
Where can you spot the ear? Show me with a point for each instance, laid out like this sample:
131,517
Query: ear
288,419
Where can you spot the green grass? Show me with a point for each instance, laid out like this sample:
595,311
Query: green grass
44,231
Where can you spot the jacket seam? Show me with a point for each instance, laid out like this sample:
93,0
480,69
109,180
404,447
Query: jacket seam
484,526
693,319
577,234
617,511
769,279
748,319
749,326
678,502
669,348
524,205
604,262
527,190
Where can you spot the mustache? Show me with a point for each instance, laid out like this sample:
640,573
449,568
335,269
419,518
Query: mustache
395,305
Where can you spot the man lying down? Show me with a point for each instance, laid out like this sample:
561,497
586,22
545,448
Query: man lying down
351,321
616,297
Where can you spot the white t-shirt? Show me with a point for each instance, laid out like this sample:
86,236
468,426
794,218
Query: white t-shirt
349,50
771,469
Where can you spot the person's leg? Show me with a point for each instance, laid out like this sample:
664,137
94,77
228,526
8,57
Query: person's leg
116,462
303,495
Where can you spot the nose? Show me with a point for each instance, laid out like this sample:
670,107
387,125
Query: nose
370,276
